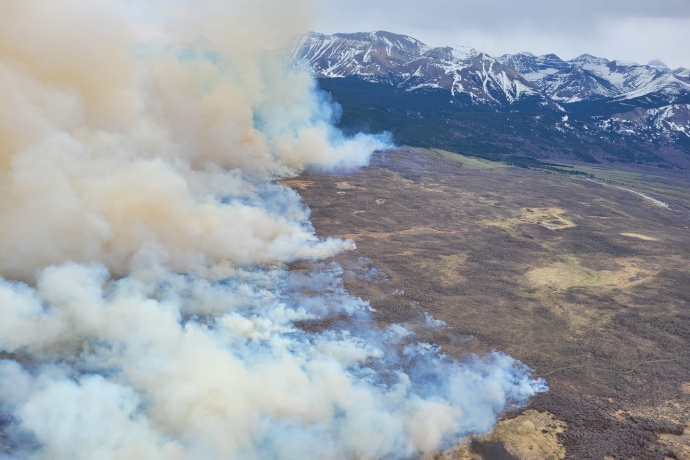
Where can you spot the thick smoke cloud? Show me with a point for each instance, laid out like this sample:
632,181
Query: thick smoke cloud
108,144
147,308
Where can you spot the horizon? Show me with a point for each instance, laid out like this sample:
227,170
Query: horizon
458,46
618,30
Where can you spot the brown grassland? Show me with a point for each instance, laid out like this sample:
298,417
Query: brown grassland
587,284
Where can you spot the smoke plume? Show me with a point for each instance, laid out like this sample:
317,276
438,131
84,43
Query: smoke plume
147,308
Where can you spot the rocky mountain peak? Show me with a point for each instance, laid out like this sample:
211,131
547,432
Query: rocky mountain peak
658,64
510,82
588,59
411,82
472,78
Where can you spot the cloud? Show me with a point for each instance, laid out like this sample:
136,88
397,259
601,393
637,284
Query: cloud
148,307
497,27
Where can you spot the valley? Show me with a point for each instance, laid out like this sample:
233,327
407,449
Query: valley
585,282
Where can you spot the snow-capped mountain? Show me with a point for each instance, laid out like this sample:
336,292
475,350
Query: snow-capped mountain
588,78
670,120
592,107
472,78
476,79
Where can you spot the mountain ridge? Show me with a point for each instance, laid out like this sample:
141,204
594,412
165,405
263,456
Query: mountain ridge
410,64
647,106
473,78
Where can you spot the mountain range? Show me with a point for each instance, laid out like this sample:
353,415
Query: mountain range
517,105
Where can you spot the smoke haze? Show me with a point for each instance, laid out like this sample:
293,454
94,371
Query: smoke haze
147,309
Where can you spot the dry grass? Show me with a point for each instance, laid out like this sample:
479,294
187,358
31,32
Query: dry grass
412,231
542,267
678,444
461,160
531,435
570,273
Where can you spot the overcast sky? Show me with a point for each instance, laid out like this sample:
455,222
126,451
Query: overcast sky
632,30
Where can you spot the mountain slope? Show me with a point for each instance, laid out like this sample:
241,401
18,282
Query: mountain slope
589,79
474,79
585,109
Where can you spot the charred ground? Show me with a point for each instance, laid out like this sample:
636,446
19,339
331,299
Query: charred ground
587,284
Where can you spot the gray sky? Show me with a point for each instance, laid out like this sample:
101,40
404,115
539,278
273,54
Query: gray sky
633,30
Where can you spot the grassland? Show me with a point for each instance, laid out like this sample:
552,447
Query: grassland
586,283
462,160
671,185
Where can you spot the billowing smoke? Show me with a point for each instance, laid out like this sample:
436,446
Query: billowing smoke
146,307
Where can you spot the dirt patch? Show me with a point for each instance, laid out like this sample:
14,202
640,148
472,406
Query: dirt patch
570,273
550,218
678,444
639,236
447,271
343,185
685,387
419,231
407,231
297,183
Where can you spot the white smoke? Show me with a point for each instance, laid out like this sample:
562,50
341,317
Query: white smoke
147,308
